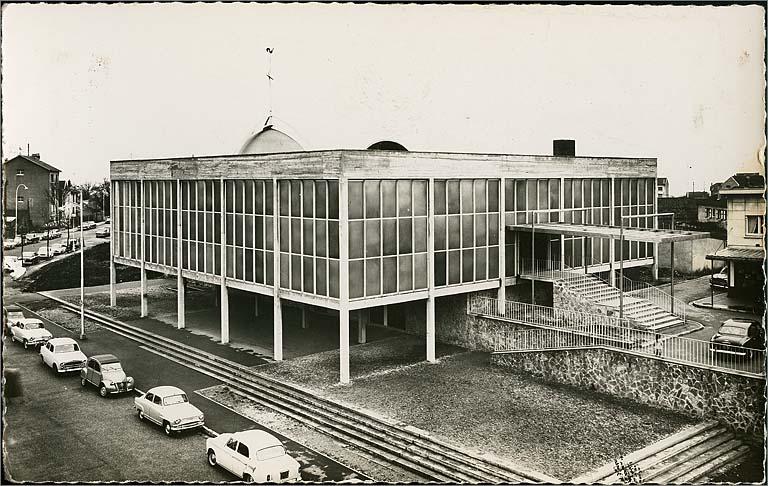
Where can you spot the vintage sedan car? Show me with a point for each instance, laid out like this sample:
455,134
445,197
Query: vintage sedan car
62,355
742,337
720,279
28,258
58,249
103,232
9,244
11,263
11,315
105,372
87,225
30,332
44,252
32,237
168,407
253,455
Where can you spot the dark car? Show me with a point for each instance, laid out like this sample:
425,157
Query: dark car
738,336
720,279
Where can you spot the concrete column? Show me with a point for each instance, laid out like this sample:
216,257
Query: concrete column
655,266
362,325
386,317
224,314
561,195
672,278
144,303
343,282
303,316
612,257
501,297
224,294
112,270
431,329
181,288
256,305
181,321
277,312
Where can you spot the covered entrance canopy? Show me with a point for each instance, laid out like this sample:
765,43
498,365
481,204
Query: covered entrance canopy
649,235
739,254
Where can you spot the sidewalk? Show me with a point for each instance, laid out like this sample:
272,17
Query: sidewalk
723,302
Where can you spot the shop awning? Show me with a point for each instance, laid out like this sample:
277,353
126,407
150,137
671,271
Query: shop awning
598,231
739,254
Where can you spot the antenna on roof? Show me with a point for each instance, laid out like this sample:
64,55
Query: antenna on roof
269,81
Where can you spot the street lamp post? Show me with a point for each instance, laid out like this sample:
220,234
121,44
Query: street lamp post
16,228
82,275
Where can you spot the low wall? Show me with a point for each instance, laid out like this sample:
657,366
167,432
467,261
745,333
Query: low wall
690,256
736,401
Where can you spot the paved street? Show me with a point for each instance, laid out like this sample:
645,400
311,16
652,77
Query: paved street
59,431
89,236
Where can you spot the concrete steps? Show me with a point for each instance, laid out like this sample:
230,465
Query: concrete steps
687,456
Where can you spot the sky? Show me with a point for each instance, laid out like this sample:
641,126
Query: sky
86,84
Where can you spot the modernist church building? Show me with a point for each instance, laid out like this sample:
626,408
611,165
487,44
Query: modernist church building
351,230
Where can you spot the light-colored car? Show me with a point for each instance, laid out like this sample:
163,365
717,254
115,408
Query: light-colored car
53,234
32,237
720,279
103,232
88,225
105,372
28,258
62,355
168,407
253,455
10,263
30,332
58,249
9,244
44,252
11,315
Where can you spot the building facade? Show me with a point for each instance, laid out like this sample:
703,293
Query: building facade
352,230
38,203
745,251
662,187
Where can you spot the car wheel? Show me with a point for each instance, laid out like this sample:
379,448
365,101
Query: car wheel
141,415
55,368
211,458
26,344
247,478
103,391
167,428
82,381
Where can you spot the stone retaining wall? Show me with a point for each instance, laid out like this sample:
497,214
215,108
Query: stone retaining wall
736,401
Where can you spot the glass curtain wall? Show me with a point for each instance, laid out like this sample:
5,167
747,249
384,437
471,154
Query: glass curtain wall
128,234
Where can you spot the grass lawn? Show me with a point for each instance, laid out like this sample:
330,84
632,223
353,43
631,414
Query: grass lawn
558,430
65,273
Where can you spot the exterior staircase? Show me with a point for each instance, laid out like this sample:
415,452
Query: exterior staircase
685,457
645,313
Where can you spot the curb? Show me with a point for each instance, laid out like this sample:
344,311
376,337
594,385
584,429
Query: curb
697,303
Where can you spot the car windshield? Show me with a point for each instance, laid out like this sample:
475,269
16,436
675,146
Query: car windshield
34,325
16,315
108,367
270,452
67,348
175,399
734,331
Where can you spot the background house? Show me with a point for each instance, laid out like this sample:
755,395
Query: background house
662,187
37,203
745,253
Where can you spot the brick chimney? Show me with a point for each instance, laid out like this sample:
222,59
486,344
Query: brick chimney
35,156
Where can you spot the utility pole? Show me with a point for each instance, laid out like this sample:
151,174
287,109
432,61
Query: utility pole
82,275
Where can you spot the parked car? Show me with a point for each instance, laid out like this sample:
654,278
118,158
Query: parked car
107,220
44,252
253,455
59,248
28,258
30,332
103,232
738,336
10,263
62,355
73,245
720,279
105,372
9,244
32,237
88,225
54,233
168,407
11,315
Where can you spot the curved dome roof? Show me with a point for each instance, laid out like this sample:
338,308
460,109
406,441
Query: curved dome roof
270,140
387,145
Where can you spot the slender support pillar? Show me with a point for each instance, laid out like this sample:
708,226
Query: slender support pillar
224,294
501,297
386,317
181,290
277,311
533,260
224,314
655,266
144,306
585,254
303,316
562,253
711,288
621,271
672,278
343,281
181,319
256,305
612,258
362,325
431,329
112,270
